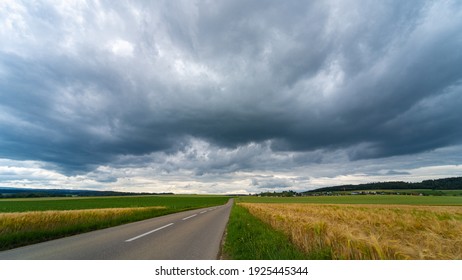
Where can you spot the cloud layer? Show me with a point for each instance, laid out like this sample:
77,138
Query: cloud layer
206,88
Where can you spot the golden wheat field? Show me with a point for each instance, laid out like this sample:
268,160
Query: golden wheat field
50,220
368,231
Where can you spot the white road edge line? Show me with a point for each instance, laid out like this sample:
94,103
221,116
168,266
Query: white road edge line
189,217
149,232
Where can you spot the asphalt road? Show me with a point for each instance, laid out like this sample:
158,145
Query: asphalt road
190,235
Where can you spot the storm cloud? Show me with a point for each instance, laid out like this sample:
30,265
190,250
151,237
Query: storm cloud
211,89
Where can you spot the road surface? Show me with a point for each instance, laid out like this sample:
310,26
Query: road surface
190,235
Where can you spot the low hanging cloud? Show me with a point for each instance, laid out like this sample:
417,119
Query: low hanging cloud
85,84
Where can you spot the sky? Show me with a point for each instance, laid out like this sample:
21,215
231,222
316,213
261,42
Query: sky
228,96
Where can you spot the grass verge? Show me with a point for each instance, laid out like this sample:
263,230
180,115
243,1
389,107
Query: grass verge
248,238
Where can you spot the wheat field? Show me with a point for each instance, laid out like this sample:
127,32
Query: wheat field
51,220
368,231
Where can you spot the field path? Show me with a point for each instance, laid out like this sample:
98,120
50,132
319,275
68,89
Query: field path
194,234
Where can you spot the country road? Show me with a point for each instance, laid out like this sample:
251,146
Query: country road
189,235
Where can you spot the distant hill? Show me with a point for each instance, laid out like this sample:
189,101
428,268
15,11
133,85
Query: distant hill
438,184
29,192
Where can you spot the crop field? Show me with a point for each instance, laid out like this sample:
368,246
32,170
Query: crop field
27,221
369,231
360,199
168,201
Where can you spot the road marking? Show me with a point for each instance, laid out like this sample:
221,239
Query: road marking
189,217
149,232
203,212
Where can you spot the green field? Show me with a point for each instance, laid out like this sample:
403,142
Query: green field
425,192
28,221
180,202
360,199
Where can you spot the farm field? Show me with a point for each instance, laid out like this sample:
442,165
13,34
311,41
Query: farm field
360,199
415,192
365,227
79,203
28,221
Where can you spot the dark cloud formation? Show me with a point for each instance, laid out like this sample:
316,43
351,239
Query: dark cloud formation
88,83
393,172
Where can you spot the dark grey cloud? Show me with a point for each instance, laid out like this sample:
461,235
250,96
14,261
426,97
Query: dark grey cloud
271,183
102,83
394,172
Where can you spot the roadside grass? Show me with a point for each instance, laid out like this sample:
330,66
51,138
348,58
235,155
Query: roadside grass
248,238
24,222
366,231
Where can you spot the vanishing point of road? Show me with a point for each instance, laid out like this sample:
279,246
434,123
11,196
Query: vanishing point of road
189,235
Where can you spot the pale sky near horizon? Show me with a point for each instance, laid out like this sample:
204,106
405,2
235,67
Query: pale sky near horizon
228,96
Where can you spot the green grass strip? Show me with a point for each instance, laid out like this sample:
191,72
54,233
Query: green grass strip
248,238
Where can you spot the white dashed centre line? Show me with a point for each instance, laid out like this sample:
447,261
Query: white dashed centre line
149,232
203,212
189,217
